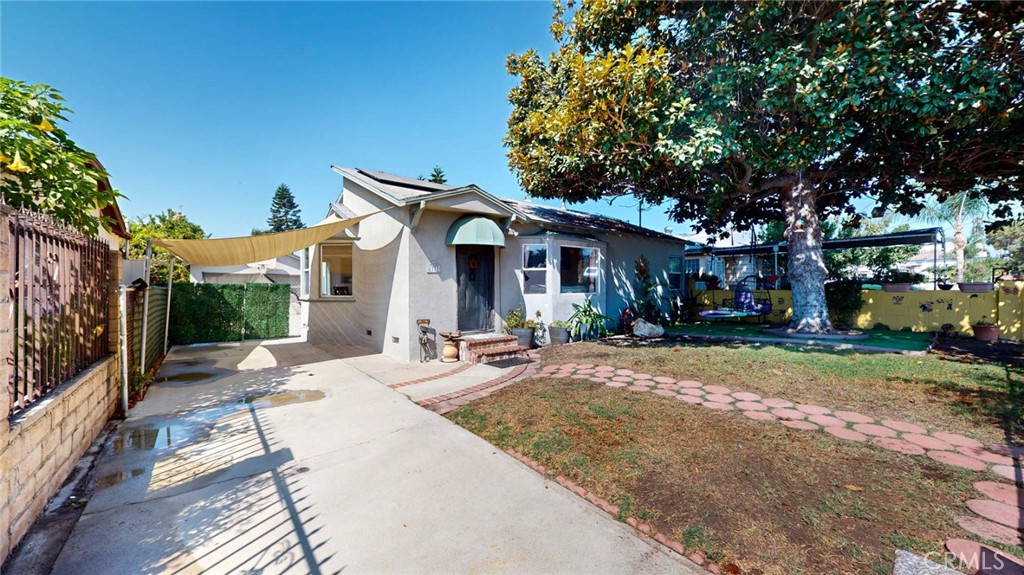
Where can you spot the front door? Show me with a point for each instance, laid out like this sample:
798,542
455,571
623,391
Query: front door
475,269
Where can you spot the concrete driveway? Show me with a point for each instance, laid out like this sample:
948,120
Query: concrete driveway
282,458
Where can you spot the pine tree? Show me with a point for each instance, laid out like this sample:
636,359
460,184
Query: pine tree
284,211
437,176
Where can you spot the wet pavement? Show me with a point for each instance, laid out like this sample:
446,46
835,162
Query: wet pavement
282,458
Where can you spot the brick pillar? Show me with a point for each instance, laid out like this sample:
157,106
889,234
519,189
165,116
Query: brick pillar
6,326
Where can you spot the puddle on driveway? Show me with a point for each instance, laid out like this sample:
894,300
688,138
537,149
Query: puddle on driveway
284,398
185,377
118,477
148,438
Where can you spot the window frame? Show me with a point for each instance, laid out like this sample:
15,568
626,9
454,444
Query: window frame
678,285
597,268
320,274
541,270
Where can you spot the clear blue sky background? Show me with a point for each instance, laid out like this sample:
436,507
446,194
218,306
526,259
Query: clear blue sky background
207,107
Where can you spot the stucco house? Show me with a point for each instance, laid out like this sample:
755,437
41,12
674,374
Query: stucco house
462,258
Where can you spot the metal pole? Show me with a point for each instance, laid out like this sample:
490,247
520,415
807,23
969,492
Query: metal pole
145,306
167,319
935,262
122,330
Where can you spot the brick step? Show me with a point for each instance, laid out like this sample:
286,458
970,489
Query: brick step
496,353
496,341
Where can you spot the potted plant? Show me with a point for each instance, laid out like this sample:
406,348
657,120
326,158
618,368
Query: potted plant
516,324
976,287
985,330
586,322
944,284
899,280
558,331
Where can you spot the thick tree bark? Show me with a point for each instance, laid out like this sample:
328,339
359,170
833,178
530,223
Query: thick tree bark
807,270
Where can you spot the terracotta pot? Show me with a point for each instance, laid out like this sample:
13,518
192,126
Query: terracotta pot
976,287
897,286
986,332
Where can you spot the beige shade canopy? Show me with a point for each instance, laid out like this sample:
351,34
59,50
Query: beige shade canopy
244,250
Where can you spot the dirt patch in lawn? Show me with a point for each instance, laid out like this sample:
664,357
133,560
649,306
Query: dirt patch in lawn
980,400
770,499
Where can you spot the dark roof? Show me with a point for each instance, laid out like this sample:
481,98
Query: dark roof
404,182
907,238
583,221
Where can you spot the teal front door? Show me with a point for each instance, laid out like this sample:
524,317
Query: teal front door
474,267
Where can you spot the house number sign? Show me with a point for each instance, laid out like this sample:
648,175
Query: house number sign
434,267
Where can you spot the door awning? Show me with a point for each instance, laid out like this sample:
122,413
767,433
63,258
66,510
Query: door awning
244,250
475,230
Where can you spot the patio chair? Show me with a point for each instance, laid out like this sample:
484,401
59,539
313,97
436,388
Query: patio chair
750,299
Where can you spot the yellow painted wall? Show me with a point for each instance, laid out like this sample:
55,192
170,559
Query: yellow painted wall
918,310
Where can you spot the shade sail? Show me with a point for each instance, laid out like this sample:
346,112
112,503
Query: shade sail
244,250
475,231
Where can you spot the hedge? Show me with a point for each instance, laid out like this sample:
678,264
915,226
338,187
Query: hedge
205,313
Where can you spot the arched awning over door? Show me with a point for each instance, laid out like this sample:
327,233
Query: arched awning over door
474,230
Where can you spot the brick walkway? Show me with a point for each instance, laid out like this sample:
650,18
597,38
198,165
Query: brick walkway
443,404
1001,514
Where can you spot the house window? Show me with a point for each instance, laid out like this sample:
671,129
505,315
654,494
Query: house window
304,275
675,272
335,270
692,266
578,269
535,268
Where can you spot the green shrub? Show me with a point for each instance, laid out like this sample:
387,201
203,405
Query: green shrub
206,313
844,301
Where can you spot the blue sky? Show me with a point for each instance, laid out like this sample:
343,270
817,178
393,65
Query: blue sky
207,107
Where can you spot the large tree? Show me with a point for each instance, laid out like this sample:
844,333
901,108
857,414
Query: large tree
740,113
168,225
41,168
284,212
1010,239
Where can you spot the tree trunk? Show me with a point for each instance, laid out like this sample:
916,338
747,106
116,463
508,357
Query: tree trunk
807,270
959,243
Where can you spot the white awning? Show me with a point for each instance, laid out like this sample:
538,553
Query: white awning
244,250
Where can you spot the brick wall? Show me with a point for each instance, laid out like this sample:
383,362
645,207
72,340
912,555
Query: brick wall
41,445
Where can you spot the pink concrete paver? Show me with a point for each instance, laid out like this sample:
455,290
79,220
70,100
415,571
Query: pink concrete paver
642,376
847,434
927,442
758,415
667,386
957,460
1011,472
663,379
664,392
622,378
751,406
827,420
720,398
568,365
616,384
786,413
717,389
976,557
585,370
989,530
811,409
624,372
958,440
898,445
853,417
746,396
690,399
805,425
1001,492
1001,513
691,391
553,367
604,368
904,426
1008,450
776,402
585,366
689,383
638,388
986,456
717,405
875,430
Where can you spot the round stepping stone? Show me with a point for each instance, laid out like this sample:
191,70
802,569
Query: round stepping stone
716,389
642,376
622,378
717,405
663,379
604,368
786,413
568,365
752,406
898,445
1011,472
983,559
958,440
720,398
806,425
989,530
690,399
986,456
957,460
811,409
776,402
1008,450
638,388
689,383
667,386
691,391
904,426
872,429
598,380
624,372
585,366
585,370
664,392
615,384
927,442
853,417
551,367
758,415
601,374
1001,513
847,434
827,420
746,396
1001,492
